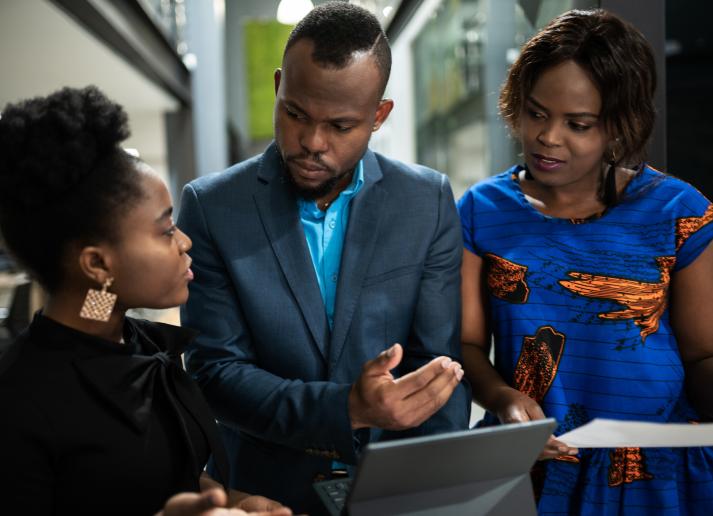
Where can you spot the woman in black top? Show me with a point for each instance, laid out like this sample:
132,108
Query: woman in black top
98,416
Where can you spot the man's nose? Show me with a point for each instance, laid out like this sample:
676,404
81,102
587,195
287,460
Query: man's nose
314,139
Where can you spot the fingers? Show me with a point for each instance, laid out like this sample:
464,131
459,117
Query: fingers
555,448
193,504
422,404
258,503
516,407
377,400
420,379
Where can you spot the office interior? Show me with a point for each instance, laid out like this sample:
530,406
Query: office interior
196,79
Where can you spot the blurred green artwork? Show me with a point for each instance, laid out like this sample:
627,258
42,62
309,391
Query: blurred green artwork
264,42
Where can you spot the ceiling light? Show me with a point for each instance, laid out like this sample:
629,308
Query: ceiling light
290,12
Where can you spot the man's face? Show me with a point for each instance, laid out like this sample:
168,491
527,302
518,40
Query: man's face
324,117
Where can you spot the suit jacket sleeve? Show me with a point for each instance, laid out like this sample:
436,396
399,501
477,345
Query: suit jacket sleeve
435,330
223,360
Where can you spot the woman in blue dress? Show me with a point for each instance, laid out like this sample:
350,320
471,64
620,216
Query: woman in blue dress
593,275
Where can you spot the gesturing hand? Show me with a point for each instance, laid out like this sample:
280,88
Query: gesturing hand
514,407
378,400
211,503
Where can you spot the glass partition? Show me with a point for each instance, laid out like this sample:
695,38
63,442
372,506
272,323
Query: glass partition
460,60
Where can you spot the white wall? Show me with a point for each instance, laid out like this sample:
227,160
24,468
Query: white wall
397,137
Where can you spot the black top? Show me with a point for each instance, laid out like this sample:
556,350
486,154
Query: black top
90,426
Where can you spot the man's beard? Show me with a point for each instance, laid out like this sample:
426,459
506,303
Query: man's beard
318,191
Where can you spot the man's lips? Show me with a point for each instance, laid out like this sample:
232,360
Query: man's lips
309,169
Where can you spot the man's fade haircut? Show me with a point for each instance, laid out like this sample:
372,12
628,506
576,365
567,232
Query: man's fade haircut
338,30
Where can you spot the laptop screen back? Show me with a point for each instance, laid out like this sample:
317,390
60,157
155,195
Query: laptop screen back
483,468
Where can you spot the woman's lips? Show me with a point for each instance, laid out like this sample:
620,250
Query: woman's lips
546,163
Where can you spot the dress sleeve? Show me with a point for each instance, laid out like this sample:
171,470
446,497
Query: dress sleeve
693,226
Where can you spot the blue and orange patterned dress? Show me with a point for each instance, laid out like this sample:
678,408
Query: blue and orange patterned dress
580,320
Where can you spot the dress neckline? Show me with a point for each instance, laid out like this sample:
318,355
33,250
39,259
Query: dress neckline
514,181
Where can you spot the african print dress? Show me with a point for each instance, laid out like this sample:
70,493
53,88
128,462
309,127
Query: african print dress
580,318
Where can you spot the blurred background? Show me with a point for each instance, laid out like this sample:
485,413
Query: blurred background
196,78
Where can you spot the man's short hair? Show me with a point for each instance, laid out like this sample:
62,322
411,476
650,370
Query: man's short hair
338,30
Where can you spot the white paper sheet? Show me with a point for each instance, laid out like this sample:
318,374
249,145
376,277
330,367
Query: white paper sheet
610,433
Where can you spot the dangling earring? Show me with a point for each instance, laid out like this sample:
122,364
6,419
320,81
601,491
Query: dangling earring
610,193
99,303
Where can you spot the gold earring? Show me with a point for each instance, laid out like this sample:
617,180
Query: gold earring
98,304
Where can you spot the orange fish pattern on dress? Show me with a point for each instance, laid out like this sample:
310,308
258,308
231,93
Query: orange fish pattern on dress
627,465
506,279
645,302
686,226
535,371
538,362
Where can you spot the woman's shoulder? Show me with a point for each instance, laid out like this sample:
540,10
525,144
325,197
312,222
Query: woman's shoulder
666,193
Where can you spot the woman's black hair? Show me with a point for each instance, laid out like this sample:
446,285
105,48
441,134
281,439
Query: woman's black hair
620,63
64,179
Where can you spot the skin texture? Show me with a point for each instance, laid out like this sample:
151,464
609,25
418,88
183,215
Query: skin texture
560,121
324,118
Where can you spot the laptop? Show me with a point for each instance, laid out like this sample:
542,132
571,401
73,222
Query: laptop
479,471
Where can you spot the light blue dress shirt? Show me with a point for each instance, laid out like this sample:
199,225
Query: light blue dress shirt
325,231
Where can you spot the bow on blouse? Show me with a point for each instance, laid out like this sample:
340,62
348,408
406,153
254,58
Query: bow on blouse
128,383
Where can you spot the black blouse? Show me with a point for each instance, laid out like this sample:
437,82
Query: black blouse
90,426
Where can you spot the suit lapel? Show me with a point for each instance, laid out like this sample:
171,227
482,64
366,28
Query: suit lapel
277,208
362,232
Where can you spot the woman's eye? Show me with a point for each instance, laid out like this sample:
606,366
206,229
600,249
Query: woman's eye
170,231
579,127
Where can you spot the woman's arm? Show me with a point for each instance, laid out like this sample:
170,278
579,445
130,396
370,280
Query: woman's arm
489,389
691,312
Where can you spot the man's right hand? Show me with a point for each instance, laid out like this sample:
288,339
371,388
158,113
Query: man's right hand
379,400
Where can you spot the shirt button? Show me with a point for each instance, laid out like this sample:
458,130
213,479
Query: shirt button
334,278
332,223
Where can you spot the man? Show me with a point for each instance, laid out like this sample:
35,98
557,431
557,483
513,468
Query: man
312,259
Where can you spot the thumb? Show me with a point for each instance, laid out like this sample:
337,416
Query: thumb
190,504
209,499
384,362
390,358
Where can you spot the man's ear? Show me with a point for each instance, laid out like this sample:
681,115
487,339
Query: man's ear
382,113
95,263
278,77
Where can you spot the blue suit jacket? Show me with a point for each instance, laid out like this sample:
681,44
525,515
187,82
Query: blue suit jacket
277,379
